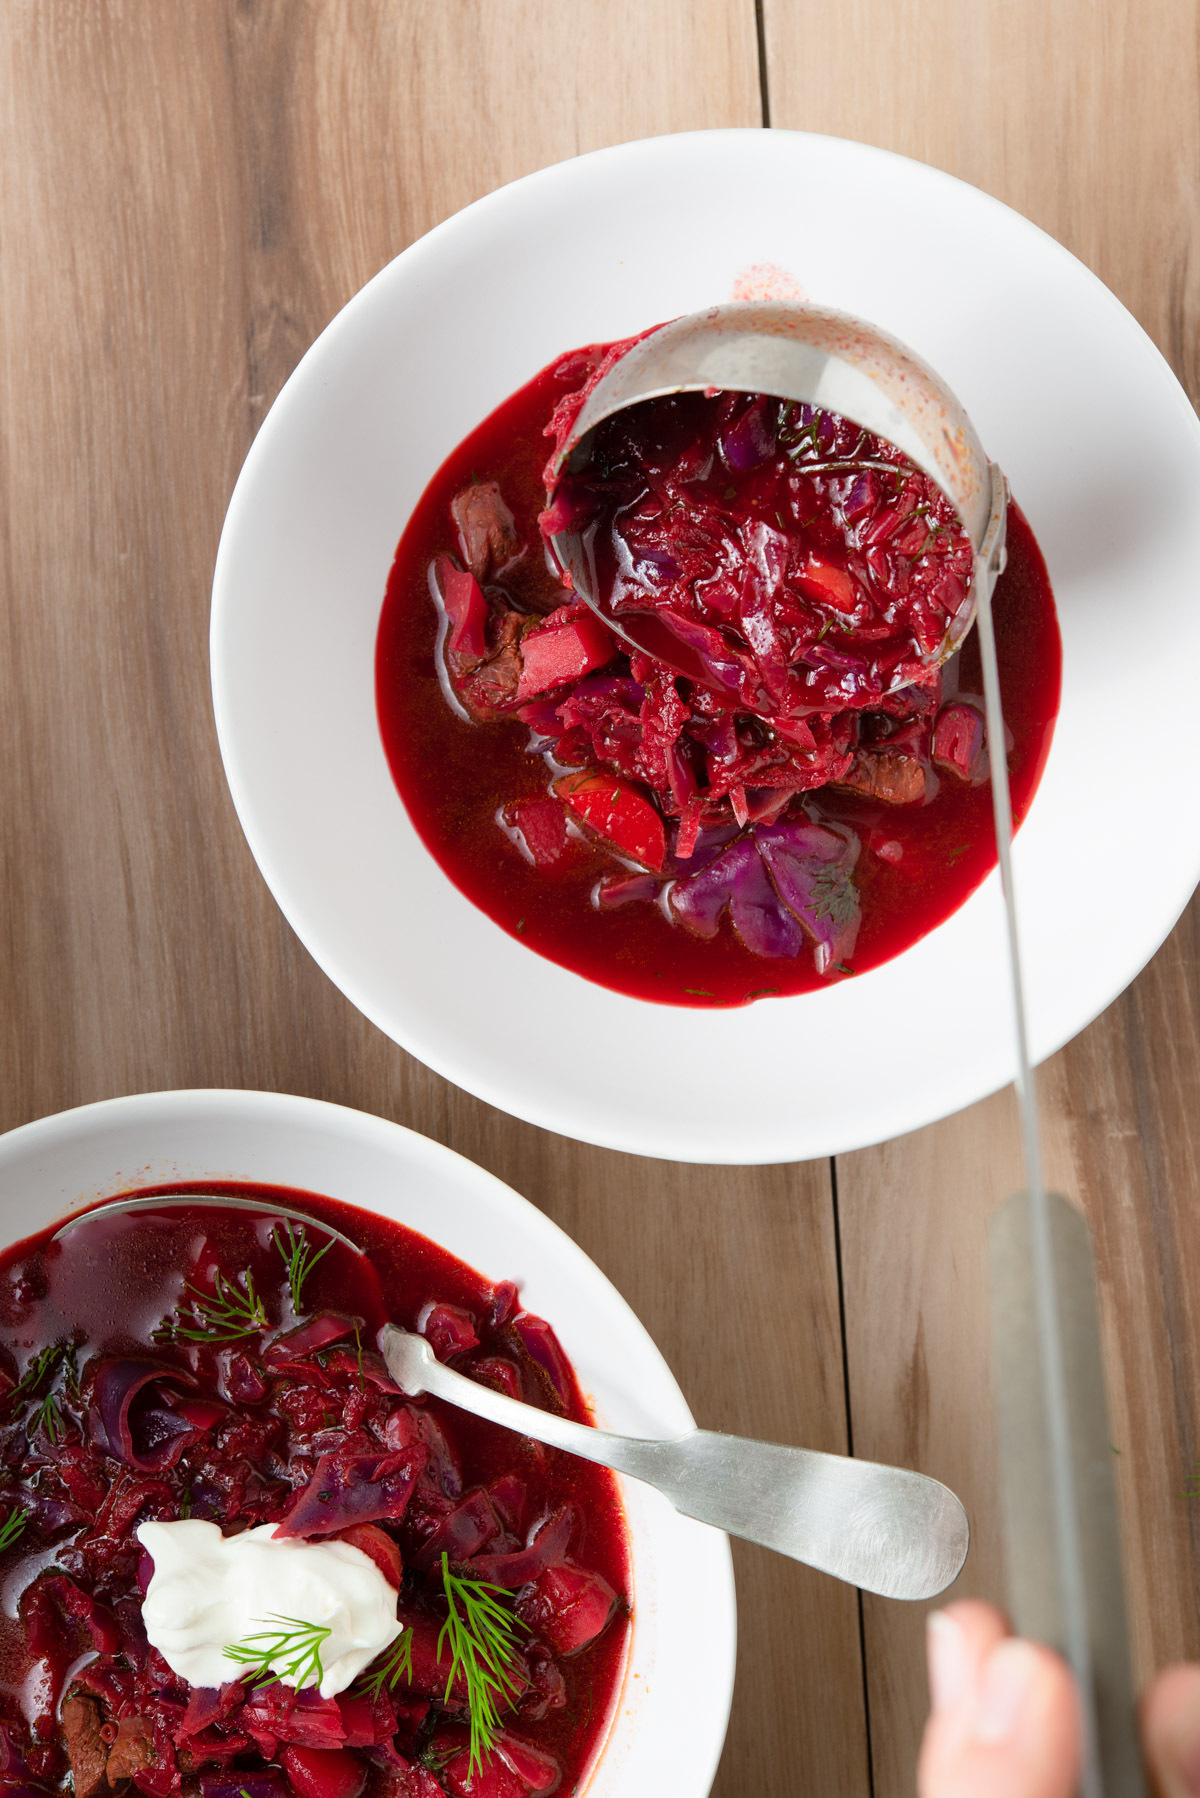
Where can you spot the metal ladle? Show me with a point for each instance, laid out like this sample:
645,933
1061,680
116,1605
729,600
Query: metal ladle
887,1530
818,357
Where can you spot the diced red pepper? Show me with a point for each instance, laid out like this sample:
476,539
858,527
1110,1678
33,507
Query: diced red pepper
618,812
466,608
379,1547
831,585
560,653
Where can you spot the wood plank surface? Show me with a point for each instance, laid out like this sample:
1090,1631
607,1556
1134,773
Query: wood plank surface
1084,117
187,195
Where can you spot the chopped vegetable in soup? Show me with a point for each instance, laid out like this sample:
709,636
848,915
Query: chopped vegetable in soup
239,1563
765,767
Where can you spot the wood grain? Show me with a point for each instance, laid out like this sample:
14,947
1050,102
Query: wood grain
1086,120
187,195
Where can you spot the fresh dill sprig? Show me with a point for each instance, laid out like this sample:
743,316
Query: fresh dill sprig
45,1364
298,1256
1191,1486
223,1315
480,1634
833,895
296,1645
13,1527
49,1417
393,1666
37,1383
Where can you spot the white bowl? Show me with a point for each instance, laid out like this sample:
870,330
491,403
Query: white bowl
668,1728
1069,396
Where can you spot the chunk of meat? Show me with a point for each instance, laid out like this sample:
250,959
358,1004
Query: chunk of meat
487,534
132,1751
491,689
86,1748
894,779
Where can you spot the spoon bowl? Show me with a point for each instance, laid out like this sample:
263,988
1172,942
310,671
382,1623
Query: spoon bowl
815,356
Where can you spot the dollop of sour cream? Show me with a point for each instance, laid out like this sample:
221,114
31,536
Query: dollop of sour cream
209,1590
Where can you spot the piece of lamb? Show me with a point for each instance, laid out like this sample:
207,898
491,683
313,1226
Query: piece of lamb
892,779
131,1752
86,1748
487,533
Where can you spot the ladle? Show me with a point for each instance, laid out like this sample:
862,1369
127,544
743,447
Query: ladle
890,1531
818,357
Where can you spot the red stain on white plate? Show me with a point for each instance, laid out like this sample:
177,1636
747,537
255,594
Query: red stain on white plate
767,281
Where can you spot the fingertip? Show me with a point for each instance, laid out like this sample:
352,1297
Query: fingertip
1171,1731
957,1639
1016,1729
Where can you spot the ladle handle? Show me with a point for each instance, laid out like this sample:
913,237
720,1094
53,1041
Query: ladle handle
884,1529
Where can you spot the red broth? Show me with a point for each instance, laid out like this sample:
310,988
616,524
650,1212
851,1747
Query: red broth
241,1433
464,782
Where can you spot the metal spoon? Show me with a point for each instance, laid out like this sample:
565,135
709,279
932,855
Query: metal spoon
818,357
890,1531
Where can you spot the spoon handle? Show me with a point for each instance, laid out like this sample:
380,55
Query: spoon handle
884,1529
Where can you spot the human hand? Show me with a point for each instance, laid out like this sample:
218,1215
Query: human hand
1005,1719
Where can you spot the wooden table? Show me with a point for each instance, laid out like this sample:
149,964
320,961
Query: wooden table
189,190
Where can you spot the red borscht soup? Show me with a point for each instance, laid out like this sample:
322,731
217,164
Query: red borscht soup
795,787
200,1363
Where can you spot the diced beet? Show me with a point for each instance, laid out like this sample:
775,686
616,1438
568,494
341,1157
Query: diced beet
958,740
501,1374
323,1773
547,1547
466,610
567,1607
380,1547
512,1770
469,1527
449,1330
365,1720
543,1346
618,812
541,825
504,1303
563,652
270,1783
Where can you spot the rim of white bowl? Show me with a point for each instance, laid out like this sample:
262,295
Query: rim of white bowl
43,1137
642,1135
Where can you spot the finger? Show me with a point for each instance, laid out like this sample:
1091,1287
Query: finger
958,1640
1171,1732
1010,1730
